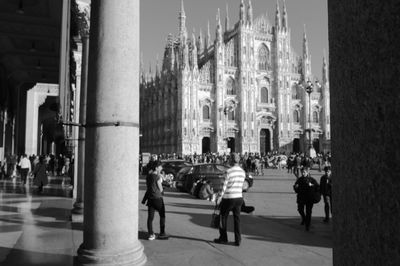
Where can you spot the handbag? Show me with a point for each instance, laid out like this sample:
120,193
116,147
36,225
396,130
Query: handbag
316,196
215,217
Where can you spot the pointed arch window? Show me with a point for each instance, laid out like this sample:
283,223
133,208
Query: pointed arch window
315,117
264,95
206,112
296,116
230,87
231,116
263,58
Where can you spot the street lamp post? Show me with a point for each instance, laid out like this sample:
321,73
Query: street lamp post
309,88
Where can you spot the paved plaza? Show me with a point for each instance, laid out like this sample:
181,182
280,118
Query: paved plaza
37,230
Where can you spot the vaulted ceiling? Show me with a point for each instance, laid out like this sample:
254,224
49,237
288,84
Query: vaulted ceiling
30,33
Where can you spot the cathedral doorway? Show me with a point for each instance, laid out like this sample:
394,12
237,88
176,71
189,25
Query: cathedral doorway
231,144
296,145
316,145
265,141
205,145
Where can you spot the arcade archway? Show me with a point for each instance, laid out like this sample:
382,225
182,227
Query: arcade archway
231,144
265,141
205,145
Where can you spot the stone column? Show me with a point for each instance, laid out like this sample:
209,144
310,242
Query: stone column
364,82
3,135
112,137
80,163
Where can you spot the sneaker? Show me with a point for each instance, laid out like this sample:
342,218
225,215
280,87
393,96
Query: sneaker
152,237
326,220
163,236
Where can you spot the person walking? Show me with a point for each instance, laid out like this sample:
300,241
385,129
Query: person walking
231,200
305,187
326,192
25,168
155,201
40,174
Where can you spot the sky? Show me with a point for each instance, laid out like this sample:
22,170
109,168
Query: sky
158,18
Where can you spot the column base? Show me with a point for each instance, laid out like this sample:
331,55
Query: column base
78,208
134,256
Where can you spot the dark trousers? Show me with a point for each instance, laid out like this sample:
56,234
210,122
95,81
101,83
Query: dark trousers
24,174
226,206
155,205
306,217
328,205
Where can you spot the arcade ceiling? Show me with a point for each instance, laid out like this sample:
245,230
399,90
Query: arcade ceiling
30,33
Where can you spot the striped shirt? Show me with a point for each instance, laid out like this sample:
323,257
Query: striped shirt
233,185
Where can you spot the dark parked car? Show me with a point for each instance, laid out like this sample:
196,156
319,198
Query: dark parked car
187,176
171,168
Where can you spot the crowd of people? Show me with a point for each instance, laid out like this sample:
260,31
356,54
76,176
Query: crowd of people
36,168
308,190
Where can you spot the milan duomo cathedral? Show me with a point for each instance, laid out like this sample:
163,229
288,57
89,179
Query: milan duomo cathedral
246,91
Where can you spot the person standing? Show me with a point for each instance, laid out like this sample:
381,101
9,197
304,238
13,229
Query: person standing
326,191
25,167
155,201
305,187
231,200
40,174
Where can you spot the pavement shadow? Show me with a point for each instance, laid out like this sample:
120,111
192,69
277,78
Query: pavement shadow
18,257
178,195
273,229
191,206
142,235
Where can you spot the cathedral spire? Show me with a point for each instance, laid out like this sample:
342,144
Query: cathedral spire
250,14
208,37
227,18
284,17
241,14
182,22
157,68
200,42
324,70
194,51
218,30
277,17
305,44
171,54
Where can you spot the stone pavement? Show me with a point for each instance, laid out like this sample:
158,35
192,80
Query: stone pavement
37,230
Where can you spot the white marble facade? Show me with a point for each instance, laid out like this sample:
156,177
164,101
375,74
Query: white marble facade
238,93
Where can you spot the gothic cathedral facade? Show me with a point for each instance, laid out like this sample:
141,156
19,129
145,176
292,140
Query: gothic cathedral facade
243,92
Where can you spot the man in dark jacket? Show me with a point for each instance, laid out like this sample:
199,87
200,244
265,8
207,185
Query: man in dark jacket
305,187
326,192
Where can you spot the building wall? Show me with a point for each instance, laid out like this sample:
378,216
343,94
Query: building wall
364,74
198,72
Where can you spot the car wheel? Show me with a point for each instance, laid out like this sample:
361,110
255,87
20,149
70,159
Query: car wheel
246,186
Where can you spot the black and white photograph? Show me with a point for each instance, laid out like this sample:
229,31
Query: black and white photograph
199,133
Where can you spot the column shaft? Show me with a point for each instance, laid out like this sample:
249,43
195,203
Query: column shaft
78,205
112,152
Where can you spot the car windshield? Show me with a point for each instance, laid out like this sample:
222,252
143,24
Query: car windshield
212,169
206,169
222,168
184,170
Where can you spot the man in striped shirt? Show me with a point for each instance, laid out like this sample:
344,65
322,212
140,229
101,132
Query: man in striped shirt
232,200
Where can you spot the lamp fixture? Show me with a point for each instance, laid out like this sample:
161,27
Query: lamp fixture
33,47
20,9
38,65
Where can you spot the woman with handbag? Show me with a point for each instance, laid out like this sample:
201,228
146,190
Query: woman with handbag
307,190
